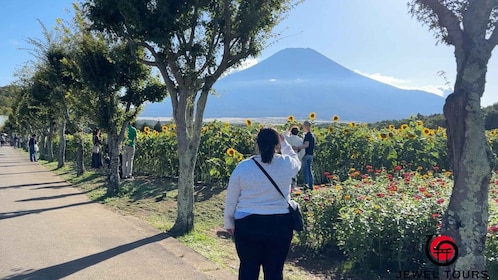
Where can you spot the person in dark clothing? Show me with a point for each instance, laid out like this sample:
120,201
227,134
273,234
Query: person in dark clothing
33,147
96,150
307,160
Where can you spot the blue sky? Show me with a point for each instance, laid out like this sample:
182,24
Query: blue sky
377,38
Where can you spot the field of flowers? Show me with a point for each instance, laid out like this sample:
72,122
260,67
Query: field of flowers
378,192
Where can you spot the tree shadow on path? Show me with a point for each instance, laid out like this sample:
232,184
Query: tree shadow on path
62,270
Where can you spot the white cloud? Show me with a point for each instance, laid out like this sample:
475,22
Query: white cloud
244,65
440,90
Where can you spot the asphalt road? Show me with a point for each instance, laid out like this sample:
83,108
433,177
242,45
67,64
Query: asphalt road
51,230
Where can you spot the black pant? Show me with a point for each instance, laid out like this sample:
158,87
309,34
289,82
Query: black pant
263,240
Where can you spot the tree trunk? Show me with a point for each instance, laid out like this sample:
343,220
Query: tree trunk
50,142
188,131
113,179
185,202
466,218
80,156
61,156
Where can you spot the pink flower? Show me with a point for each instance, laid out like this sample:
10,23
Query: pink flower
436,215
440,200
397,168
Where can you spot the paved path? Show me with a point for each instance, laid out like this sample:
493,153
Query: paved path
51,230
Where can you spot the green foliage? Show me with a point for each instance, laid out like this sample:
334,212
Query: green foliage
7,97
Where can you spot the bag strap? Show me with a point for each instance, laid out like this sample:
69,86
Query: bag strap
271,180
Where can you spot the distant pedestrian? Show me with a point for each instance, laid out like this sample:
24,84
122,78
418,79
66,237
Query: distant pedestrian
2,139
33,147
307,161
129,152
256,213
97,149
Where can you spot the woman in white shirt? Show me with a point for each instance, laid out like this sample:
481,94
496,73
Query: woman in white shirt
256,213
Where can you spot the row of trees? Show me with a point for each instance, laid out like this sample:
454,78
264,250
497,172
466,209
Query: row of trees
101,66
97,71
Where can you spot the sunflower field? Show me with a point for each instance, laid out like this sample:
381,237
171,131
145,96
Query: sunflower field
340,147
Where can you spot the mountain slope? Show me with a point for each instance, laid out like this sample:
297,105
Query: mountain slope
299,81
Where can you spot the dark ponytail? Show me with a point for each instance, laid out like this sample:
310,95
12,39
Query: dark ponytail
267,140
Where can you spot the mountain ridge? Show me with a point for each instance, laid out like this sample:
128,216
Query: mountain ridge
297,81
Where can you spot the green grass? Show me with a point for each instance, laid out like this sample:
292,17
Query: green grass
154,201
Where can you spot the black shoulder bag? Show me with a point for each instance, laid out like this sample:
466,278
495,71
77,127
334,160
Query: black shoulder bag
296,213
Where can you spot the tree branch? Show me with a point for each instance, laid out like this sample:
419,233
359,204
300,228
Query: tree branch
476,18
493,39
446,19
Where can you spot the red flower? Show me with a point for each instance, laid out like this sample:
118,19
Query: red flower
436,168
326,173
390,177
397,168
440,200
417,197
493,228
436,215
381,195
421,189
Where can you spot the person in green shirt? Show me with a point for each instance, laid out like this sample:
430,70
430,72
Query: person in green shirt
129,152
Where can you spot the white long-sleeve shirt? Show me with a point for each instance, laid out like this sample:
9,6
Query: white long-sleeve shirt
250,191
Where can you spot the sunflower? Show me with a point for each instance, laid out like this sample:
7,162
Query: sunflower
227,125
164,128
419,123
155,133
240,157
291,118
404,126
391,127
383,136
146,129
335,118
330,129
312,116
172,127
352,124
426,131
231,152
248,122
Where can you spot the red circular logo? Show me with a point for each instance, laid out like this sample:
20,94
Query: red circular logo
441,250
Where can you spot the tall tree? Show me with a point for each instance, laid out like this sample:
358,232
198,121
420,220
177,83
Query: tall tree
192,43
119,85
53,57
471,27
